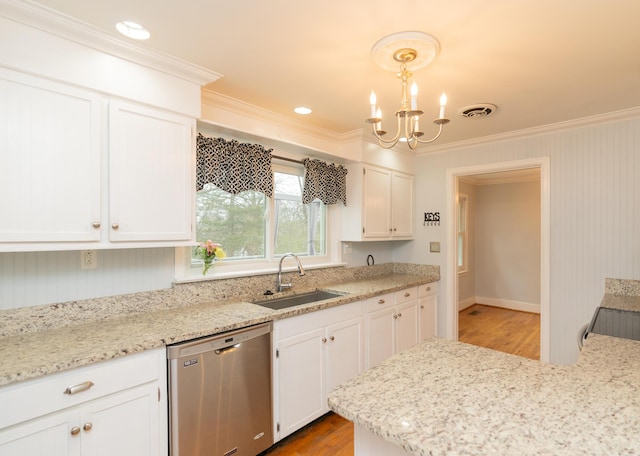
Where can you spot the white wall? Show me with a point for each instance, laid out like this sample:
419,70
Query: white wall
594,215
35,278
507,248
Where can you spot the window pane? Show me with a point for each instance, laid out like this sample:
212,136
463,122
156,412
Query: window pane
299,228
235,221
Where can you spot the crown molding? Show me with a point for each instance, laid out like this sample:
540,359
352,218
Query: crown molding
239,107
583,122
67,27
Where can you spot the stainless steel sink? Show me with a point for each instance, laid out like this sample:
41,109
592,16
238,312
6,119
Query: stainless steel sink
296,300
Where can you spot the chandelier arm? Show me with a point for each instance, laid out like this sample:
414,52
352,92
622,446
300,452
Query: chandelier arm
388,143
432,139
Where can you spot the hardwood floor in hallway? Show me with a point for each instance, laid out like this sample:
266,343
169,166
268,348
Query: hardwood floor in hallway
500,329
505,330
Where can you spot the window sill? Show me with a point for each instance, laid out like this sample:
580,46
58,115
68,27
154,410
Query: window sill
217,272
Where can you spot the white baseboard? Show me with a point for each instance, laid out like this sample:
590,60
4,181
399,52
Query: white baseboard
466,303
497,302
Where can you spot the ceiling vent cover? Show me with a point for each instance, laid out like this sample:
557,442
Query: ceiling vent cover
477,111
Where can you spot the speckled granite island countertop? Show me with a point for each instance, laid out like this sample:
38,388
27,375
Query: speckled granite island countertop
30,350
450,398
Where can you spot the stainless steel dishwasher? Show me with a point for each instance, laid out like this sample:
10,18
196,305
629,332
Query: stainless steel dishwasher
220,394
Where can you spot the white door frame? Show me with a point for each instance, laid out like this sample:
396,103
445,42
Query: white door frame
451,292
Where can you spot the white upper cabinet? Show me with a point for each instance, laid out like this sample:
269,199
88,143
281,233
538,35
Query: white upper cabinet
380,205
97,138
79,170
150,175
49,161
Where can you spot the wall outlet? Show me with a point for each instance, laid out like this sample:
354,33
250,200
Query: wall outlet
346,248
88,259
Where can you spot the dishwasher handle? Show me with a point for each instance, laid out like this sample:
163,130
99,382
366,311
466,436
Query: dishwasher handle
229,349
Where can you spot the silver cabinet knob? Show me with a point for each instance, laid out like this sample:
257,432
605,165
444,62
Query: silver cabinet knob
115,226
75,430
422,307
87,426
324,340
395,315
428,288
332,338
399,315
406,295
96,224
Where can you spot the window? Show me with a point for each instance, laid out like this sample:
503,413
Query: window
462,233
255,229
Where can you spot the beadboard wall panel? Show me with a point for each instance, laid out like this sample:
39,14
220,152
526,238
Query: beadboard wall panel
594,215
35,278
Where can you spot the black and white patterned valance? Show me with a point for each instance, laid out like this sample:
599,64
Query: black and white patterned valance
232,166
324,181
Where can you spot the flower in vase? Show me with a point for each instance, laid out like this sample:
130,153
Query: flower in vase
209,252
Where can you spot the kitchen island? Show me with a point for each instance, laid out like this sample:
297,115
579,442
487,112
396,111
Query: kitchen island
449,398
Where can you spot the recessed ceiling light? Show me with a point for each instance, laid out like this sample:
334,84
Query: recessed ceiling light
133,30
302,110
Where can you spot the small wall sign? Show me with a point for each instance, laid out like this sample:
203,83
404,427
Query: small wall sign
431,219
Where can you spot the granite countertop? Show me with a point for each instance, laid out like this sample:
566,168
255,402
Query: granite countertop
449,398
36,353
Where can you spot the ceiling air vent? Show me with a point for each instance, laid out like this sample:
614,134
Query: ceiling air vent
477,111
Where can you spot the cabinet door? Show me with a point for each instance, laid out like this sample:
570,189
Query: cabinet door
406,318
150,178
380,336
376,206
48,436
402,205
427,317
301,368
345,353
49,162
123,424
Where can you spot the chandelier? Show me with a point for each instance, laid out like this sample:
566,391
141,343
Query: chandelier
416,49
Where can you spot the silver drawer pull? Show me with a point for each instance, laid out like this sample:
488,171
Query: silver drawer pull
80,387
406,295
428,288
380,301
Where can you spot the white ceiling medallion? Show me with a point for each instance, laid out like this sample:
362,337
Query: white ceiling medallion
424,46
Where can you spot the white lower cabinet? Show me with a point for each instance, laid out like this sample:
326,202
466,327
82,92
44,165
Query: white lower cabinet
391,325
119,407
314,353
428,295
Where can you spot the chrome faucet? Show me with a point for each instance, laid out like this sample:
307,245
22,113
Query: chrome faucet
282,286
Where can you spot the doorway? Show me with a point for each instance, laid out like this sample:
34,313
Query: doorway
516,170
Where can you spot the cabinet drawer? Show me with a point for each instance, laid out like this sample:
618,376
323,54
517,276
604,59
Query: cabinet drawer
406,295
37,397
380,302
302,323
428,289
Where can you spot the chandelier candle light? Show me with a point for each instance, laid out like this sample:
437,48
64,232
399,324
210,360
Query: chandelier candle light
417,49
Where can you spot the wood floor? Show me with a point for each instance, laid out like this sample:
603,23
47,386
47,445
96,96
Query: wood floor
505,330
330,435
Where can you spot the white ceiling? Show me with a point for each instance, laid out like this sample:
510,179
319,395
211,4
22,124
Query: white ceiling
539,61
